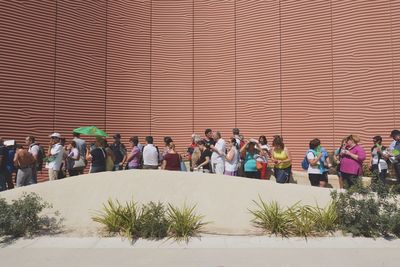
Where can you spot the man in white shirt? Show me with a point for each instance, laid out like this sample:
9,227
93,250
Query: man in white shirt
33,149
217,157
150,155
55,155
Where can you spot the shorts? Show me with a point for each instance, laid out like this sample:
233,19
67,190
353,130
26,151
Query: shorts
315,178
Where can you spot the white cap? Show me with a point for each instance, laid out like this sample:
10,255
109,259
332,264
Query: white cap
56,135
9,143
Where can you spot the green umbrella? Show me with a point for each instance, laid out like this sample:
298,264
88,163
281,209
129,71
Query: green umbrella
91,130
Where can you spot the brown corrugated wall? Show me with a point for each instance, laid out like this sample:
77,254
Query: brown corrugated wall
302,69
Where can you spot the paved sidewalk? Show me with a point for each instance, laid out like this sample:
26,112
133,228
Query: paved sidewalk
209,251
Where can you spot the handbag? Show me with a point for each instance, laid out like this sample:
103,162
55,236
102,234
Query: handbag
259,165
80,163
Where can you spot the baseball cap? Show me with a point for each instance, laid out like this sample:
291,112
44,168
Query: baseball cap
117,135
394,133
56,135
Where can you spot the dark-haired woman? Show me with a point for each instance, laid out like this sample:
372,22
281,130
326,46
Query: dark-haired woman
172,160
231,158
378,164
250,157
135,156
280,155
264,155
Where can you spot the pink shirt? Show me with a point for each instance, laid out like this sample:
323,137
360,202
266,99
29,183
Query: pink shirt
350,165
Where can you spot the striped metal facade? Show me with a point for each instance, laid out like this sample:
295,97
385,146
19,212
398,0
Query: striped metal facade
302,69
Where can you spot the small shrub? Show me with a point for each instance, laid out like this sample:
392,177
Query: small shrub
271,218
22,217
296,220
119,219
325,219
184,222
369,211
153,222
302,220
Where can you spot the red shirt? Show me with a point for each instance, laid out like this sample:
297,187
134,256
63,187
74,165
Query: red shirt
173,162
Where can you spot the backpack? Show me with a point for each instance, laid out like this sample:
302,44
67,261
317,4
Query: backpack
305,164
40,158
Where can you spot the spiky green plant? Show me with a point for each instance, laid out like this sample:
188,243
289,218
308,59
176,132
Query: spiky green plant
118,218
153,222
326,219
184,222
302,220
271,218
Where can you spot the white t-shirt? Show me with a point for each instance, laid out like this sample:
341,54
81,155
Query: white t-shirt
232,166
150,155
57,151
313,169
220,146
34,150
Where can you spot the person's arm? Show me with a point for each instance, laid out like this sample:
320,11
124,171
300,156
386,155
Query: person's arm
163,164
207,160
359,154
88,155
315,160
125,156
244,147
15,160
230,155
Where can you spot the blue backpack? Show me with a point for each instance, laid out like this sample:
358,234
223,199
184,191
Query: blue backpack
305,164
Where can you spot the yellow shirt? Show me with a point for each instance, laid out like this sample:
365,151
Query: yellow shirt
281,155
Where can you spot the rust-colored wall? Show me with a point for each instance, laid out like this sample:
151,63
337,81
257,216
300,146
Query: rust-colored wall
302,69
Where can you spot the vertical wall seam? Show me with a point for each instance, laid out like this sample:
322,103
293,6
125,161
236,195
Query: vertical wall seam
332,75
235,64
55,66
105,68
193,66
151,55
280,63
392,56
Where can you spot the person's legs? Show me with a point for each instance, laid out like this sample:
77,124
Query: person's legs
34,176
314,179
3,184
323,180
24,177
349,179
253,175
9,180
382,176
53,175
219,168
396,167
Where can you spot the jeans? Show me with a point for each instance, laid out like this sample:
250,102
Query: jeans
24,177
117,167
282,176
254,175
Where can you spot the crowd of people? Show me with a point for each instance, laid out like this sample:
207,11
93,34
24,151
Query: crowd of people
235,156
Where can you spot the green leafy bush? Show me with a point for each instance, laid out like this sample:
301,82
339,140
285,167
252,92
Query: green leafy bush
296,220
23,216
153,222
369,211
184,222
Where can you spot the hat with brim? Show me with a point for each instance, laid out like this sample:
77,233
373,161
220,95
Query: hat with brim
55,135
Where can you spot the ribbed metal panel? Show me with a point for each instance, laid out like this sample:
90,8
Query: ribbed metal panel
362,69
395,34
307,104
172,71
214,63
27,69
257,68
80,65
128,68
